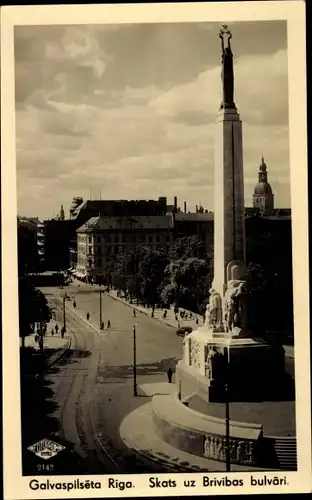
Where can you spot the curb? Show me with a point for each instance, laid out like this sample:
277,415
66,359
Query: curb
100,448
288,354
64,351
139,310
57,358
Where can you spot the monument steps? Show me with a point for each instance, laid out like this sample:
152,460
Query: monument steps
286,452
281,452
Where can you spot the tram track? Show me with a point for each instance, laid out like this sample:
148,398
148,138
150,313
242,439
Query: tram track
75,388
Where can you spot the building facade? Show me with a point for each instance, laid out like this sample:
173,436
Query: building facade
101,238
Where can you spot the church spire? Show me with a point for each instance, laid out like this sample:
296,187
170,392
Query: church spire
62,213
263,175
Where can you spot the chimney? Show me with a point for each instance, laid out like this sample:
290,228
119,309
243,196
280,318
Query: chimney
185,207
175,204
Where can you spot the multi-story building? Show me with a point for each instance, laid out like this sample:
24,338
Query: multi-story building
28,255
103,237
41,243
198,223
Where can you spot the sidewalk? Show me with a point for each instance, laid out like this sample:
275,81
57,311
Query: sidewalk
158,314
137,431
53,345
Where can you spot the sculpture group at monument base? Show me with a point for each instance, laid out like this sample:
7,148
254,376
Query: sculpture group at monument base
253,368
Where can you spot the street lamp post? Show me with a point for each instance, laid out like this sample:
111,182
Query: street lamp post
64,312
101,321
227,411
134,361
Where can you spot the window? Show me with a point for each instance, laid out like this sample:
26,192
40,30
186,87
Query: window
167,237
150,238
158,239
99,262
142,237
90,239
99,239
116,239
90,249
124,238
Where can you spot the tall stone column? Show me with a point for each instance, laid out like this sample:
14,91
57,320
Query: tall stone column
229,206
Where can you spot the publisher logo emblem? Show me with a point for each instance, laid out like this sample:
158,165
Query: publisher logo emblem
46,449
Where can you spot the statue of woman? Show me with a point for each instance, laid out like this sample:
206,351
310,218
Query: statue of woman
227,74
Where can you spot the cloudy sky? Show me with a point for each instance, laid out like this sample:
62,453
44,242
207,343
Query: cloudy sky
130,110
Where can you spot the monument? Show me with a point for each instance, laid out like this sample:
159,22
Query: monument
224,347
223,360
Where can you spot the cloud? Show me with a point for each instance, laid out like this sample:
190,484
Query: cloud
260,92
131,110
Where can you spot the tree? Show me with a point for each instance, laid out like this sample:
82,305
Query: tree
33,308
269,248
187,283
151,272
187,247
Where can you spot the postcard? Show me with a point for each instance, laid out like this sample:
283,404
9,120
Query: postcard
155,250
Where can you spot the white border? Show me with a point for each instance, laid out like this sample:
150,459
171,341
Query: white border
16,486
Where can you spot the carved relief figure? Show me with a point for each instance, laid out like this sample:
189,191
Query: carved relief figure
195,354
213,316
209,353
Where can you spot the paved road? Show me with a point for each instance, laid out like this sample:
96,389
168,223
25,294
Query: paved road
93,388
97,380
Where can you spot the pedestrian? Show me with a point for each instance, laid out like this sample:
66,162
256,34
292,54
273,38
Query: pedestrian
74,304
88,316
152,315
196,321
108,324
134,313
52,332
56,329
36,338
62,332
102,325
169,374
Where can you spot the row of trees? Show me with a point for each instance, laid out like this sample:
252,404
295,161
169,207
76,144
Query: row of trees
153,277
33,308
183,277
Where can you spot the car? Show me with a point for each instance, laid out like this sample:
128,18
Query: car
184,330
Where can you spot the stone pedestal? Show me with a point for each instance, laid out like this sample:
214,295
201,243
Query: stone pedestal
253,368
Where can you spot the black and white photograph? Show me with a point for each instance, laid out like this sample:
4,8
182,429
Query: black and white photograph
154,238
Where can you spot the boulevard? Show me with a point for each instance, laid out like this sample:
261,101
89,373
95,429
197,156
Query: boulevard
93,386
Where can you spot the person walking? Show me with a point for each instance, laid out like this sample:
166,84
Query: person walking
74,304
88,316
52,332
56,328
108,324
169,374
134,313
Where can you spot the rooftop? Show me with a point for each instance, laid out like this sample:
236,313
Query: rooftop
103,223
